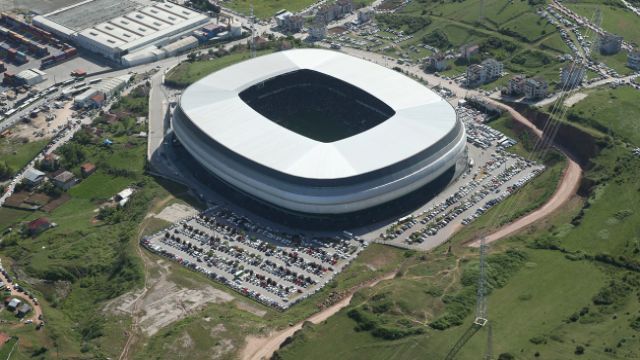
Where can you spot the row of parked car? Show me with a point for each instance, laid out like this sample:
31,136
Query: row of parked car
275,268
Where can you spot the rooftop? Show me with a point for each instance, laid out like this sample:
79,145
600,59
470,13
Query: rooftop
88,13
421,117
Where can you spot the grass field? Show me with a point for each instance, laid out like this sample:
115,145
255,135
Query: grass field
545,280
11,216
267,8
610,110
187,73
617,20
17,154
510,32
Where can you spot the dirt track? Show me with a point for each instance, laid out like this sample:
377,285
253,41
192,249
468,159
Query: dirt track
37,310
258,348
566,188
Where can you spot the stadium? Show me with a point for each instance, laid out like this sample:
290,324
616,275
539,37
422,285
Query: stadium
318,132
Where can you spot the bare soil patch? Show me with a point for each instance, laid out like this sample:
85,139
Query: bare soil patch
165,301
175,212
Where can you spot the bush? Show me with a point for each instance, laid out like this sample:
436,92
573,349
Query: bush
437,39
407,23
538,340
579,350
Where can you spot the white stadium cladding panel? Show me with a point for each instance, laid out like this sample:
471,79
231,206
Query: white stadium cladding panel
416,138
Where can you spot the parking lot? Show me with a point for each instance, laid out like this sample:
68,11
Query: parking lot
494,175
278,269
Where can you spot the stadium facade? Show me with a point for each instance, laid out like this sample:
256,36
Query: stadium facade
319,132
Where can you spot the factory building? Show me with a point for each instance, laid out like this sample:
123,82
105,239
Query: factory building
114,28
31,77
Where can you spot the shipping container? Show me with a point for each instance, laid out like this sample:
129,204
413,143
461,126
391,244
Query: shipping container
71,52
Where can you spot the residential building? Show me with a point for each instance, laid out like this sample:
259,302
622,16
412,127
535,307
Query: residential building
475,75
13,304
318,30
87,169
515,86
65,180
535,88
610,43
50,162
33,177
572,75
38,225
365,15
633,60
483,73
436,62
288,22
493,69
23,310
332,11
468,50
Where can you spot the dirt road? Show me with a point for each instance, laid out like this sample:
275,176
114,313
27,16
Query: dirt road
37,310
259,348
566,188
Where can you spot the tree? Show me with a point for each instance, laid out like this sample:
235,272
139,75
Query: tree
72,154
5,170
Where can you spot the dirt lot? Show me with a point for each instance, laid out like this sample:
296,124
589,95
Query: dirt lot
165,301
39,127
175,212
574,99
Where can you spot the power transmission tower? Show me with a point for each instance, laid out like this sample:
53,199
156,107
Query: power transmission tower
481,301
252,43
488,355
481,311
597,22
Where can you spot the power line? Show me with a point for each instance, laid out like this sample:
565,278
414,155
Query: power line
252,43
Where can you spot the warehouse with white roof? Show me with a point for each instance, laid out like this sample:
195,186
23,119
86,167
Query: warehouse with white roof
319,132
114,28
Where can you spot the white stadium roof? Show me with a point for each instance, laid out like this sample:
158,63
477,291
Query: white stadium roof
421,116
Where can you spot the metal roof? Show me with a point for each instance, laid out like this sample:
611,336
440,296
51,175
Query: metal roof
421,116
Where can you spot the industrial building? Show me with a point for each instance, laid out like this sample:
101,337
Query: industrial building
31,77
253,125
115,28
95,95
